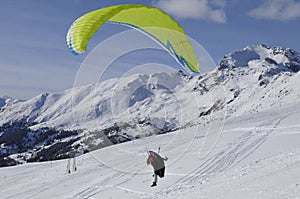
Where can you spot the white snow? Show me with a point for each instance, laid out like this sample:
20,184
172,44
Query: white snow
255,91
257,156
169,97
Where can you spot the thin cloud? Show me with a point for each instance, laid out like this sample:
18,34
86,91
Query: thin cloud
195,9
281,10
219,3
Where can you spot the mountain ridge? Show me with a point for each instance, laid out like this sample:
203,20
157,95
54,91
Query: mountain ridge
119,110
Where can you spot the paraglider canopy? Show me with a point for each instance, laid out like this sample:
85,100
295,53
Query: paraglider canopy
151,21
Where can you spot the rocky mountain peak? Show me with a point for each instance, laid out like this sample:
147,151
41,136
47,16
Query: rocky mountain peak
285,59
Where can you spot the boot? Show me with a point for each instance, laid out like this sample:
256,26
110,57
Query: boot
154,184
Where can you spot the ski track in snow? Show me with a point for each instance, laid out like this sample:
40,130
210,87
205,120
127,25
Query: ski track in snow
105,181
237,167
233,154
106,184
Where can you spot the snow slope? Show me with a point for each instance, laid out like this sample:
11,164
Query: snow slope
257,156
8,101
255,79
266,75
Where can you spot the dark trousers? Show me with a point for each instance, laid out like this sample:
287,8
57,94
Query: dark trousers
160,172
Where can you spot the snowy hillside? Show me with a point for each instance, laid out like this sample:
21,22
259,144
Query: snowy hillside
140,96
8,101
257,156
255,79
267,76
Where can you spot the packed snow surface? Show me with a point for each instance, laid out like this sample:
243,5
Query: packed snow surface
257,156
254,93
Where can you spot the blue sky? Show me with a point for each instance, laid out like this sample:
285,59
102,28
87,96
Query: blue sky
34,57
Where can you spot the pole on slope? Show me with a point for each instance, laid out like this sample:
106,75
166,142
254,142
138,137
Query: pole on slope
74,164
69,166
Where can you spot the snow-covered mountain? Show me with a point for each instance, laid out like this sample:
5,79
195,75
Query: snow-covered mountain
252,80
5,100
257,156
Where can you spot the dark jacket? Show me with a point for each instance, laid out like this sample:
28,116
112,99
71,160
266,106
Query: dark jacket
157,163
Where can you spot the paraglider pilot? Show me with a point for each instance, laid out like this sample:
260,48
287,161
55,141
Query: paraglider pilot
158,165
